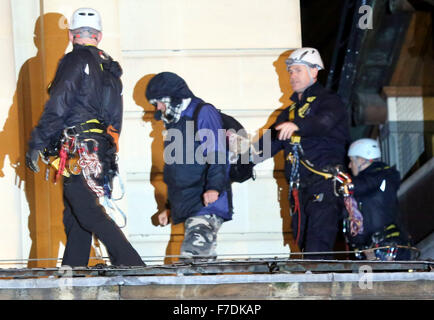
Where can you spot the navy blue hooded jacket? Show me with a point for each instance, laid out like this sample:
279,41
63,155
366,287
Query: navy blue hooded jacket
86,78
186,177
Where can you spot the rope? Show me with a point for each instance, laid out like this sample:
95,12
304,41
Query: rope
294,177
297,210
285,254
90,165
324,174
355,216
294,182
112,208
110,203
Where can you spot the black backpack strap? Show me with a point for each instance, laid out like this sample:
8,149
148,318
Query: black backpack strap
197,110
196,113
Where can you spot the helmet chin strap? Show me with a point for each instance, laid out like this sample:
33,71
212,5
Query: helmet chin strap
359,168
362,165
310,77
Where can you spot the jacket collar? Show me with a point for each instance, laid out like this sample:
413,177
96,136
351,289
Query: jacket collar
313,90
84,46
376,165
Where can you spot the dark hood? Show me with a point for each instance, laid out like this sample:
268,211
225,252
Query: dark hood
168,84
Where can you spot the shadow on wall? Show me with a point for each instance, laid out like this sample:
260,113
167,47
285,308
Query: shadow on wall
279,161
156,175
44,197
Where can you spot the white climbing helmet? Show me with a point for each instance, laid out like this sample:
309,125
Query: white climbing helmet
365,148
305,56
86,17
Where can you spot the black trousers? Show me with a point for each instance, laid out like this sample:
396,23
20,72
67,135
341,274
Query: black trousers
319,224
84,216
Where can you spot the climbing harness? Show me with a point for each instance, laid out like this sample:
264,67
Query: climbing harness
80,156
295,158
342,185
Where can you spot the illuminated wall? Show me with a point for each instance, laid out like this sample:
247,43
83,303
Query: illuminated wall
231,53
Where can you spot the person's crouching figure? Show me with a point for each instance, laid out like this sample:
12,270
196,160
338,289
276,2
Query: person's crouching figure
372,211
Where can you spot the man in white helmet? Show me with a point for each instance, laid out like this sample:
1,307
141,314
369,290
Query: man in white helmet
317,125
375,194
85,110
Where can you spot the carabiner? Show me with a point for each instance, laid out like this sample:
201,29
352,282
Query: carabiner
65,133
84,144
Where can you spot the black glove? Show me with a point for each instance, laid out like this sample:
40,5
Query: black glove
32,157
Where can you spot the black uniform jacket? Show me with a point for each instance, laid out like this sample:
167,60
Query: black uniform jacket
375,190
86,86
323,126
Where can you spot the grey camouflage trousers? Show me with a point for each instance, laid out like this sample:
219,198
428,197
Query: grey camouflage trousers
200,237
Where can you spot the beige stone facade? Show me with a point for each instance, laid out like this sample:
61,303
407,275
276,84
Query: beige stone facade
231,54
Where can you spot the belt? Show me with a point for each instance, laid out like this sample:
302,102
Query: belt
89,126
315,178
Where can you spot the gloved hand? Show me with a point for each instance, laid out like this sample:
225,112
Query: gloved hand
32,157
